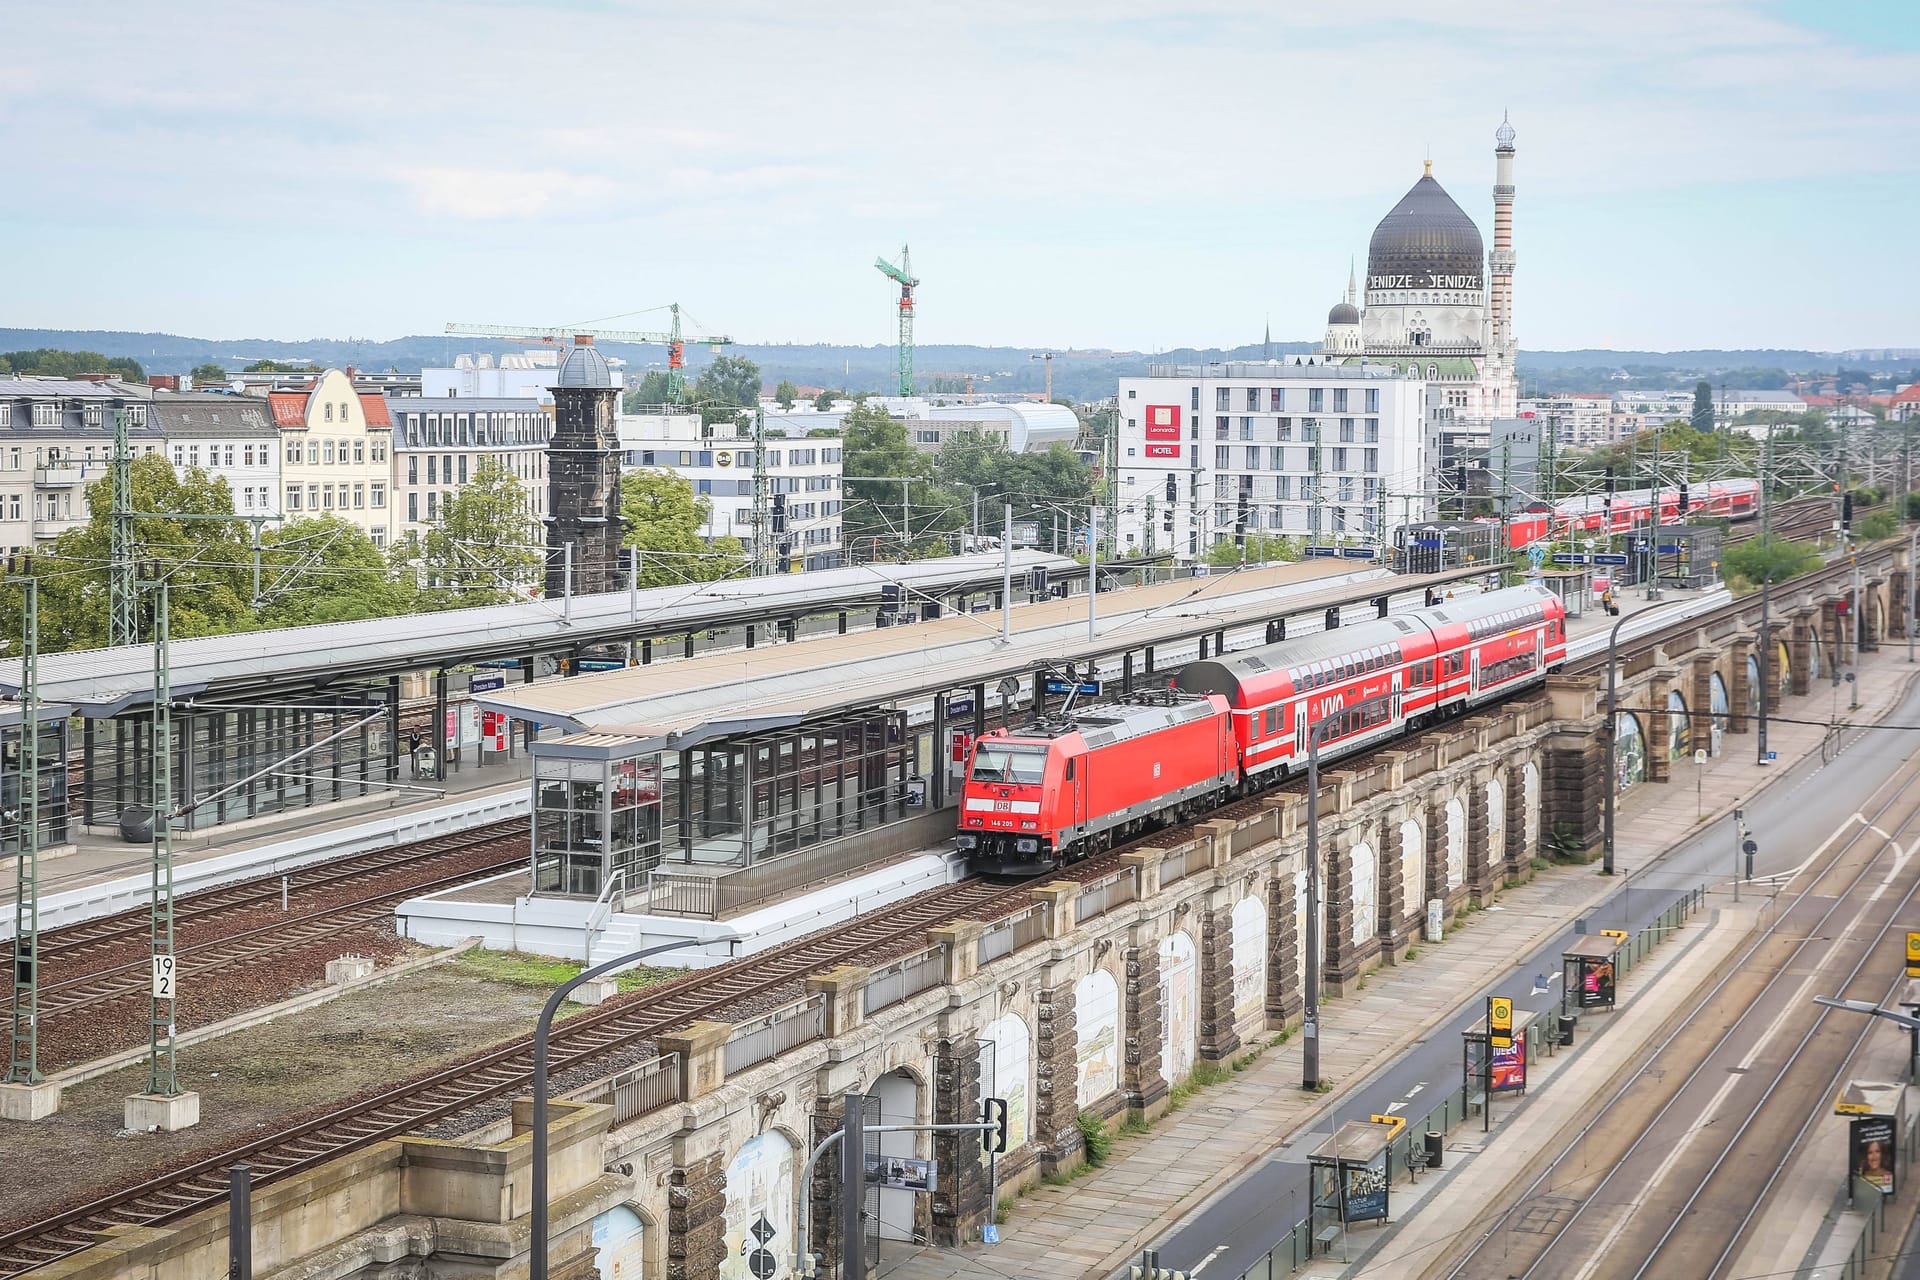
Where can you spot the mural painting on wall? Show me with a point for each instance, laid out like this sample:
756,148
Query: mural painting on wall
1009,1064
1366,894
1299,929
618,1243
1815,655
1783,667
1413,864
1456,844
1629,752
1496,819
1677,723
1753,686
1179,1005
1096,1006
1249,960
1530,790
1721,706
760,1211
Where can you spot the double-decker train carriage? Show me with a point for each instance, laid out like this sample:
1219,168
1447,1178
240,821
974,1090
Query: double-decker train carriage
1228,726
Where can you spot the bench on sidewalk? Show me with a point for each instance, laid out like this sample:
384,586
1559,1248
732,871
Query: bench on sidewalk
1325,1237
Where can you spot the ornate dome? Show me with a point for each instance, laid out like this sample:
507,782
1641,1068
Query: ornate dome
1343,313
1426,242
584,366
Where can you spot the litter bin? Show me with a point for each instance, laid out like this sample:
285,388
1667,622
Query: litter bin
1563,1027
1436,1147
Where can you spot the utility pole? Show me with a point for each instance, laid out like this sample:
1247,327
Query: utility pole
123,610
762,500
162,1076
24,1066
1766,591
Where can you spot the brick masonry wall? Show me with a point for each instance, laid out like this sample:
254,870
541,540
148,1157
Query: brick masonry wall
1218,1038
960,1206
697,1219
1284,999
1145,1068
1056,1115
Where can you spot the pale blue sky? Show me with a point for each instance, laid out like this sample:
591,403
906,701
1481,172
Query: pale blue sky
1692,173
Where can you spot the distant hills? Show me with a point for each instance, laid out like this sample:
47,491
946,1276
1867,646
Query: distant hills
872,368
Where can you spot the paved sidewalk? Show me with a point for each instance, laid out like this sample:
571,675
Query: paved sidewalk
1096,1224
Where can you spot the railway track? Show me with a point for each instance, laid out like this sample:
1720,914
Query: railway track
579,1042
576,1042
1661,1180
72,942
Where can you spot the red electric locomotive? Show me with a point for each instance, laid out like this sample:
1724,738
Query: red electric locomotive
1229,725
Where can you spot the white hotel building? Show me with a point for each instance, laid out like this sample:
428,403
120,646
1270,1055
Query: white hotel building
1322,452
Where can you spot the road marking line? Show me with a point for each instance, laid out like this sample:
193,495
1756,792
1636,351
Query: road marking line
1202,1264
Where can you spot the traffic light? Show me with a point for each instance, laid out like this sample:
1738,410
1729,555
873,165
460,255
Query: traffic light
1846,512
993,1111
1683,499
1609,480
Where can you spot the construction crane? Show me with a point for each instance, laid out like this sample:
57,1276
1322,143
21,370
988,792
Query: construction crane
904,275
1049,356
674,340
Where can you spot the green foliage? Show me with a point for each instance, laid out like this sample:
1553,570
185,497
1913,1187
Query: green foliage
323,569
203,373
1769,558
786,393
1877,525
1702,419
654,389
728,384
50,362
876,445
482,545
664,519
1037,484
274,366
1099,1142
824,401
1259,547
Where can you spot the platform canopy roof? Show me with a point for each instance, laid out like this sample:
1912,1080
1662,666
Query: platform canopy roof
102,682
680,704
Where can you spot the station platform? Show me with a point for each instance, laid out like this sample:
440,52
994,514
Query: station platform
97,873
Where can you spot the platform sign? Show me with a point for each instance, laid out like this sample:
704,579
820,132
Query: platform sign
166,980
1609,557
1086,688
486,684
1500,1022
960,706
1322,553
1358,553
1564,557
1913,954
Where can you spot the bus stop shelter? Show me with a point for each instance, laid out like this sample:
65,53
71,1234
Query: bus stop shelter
1505,1071
1349,1177
1587,975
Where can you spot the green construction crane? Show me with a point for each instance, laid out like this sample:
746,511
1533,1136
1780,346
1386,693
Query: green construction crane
904,274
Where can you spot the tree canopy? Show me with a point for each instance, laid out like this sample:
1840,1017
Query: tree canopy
1035,483
656,388
323,569
786,393
50,362
665,518
1769,558
1702,419
274,366
875,445
208,373
481,546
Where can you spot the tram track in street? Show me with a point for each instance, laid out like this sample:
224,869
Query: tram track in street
1659,1181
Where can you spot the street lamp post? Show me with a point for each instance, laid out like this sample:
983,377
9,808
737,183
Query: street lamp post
537,1258
1310,1011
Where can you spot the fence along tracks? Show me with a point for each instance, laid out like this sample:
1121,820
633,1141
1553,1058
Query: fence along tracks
1661,1180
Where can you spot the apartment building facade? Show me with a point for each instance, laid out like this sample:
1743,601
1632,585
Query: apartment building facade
439,443
336,454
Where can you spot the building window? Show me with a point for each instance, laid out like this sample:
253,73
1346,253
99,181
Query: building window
1373,399
1346,430
1129,393
329,410
1372,460
433,468
313,453
1220,428
1253,457
1194,398
1285,429
1222,398
1220,456
1253,399
1316,400
413,507
1246,428
377,496
359,496
463,468
433,504
293,452
1339,459
379,536
193,455
46,414
359,451
293,497
1339,399
179,456
379,450
413,471
1373,430
1283,488
6,415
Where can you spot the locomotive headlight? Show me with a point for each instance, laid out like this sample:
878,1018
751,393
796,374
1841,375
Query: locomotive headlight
1029,826
967,842
1026,844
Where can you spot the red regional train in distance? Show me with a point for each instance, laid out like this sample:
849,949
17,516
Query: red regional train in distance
1631,509
1050,793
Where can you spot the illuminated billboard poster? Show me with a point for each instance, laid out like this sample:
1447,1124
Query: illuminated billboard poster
1366,1192
1510,1066
1596,983
1871,1151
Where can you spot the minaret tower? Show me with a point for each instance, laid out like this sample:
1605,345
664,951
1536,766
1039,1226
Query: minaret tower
1500,261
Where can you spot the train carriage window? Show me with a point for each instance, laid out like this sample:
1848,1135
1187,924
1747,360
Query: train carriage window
1069,768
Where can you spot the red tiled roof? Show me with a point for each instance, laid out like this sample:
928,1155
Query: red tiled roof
374,405
1909,396
289,408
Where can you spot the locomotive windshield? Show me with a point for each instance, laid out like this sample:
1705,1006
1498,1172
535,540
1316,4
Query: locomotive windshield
1021,765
